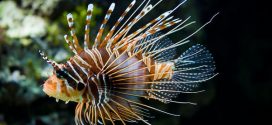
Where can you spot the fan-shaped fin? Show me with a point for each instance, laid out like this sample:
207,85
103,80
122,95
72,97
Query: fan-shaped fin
159,44
194,65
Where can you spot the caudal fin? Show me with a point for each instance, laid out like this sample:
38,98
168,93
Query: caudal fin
194,66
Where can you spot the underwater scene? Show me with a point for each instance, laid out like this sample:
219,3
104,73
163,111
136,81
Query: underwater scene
154,62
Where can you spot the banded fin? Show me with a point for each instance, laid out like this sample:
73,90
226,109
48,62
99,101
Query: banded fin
164,86
152,31
109,35
71,25
194,66
87,27
174,86
147,27
157,45
129,25
102,27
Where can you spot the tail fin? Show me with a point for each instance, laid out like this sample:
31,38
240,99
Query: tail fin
194,66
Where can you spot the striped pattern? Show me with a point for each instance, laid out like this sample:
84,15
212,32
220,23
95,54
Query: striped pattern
142,13
71,25
87,27
108,79
102,27
117,23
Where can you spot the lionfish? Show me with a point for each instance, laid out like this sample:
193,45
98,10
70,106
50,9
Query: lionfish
108,78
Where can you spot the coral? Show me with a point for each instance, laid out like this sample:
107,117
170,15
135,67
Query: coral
44,7
18,23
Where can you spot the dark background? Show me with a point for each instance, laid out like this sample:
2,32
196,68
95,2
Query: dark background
239,39
241,42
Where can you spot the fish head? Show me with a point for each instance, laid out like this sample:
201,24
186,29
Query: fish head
62,88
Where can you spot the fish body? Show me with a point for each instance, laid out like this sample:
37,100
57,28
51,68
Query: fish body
108,79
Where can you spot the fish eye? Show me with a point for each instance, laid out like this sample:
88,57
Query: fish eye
80,86
61,73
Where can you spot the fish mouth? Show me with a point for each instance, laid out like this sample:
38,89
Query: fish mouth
54,94
48,91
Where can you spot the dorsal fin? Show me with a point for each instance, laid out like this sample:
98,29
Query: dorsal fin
129,25
100,32
71,25
87,27
109,35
